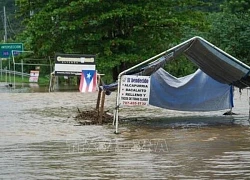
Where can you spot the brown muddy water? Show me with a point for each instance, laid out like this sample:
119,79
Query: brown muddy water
40,139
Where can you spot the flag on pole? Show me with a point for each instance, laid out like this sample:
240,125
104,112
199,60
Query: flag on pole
88,81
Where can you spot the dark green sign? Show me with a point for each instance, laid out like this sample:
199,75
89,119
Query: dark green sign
7,48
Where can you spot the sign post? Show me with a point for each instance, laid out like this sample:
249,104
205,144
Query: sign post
9,49
6,49
132,91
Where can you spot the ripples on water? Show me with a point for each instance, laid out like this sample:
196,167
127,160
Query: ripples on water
40,140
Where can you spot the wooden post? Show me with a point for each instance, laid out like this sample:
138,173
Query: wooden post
98,103
52,82
249,109
99,93
98,99
102,107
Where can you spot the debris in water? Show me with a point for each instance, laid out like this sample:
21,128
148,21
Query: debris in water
90,117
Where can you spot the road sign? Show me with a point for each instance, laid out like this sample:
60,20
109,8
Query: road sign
7,48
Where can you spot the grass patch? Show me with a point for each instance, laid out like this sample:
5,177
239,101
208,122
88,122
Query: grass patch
43,80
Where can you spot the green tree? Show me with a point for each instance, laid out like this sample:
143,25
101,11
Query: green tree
121,33
230,29
237,7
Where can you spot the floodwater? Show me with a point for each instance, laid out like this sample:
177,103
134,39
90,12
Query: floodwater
40,139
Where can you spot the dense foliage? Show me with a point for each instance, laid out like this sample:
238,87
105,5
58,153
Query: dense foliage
230,30
12,23
125,32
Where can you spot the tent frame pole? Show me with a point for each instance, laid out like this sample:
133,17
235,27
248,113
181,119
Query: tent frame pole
116,115
138,65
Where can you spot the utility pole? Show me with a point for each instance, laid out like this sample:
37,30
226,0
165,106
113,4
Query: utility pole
5,37
5,25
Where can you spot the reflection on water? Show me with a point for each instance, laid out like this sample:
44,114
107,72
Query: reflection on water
34,88
41,140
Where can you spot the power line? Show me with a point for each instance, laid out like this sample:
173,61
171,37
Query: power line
10,27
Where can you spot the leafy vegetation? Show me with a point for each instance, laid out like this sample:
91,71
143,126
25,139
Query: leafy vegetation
125,32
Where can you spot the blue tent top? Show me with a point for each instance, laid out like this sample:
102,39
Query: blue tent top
194,92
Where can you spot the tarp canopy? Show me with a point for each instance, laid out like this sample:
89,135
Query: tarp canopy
209,88
195,92
210,59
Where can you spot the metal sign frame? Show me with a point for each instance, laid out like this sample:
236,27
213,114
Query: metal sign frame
9,49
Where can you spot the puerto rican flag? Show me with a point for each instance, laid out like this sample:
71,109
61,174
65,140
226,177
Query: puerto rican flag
88,81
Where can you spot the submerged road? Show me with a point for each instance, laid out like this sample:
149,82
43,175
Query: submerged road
40,139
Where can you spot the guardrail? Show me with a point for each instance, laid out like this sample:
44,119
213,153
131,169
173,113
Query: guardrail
14,72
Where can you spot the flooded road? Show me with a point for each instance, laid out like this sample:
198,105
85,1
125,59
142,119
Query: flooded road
40,139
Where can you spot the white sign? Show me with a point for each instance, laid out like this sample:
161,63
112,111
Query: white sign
34,76
73,64
70,60
134,90
72,69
